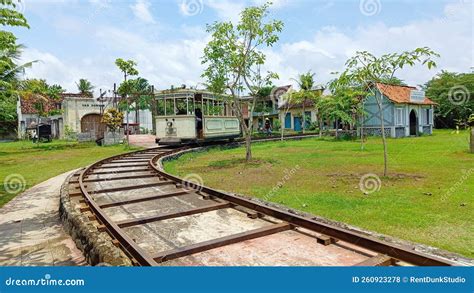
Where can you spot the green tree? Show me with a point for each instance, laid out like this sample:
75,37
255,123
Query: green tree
306,83
234,58
367,69
343,105
128,69
85,87
10,53
113,118
140,96
454,93
9,16
39,93
307,95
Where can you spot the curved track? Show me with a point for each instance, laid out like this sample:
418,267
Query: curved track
159,219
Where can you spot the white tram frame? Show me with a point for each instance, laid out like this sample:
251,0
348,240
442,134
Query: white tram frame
219,121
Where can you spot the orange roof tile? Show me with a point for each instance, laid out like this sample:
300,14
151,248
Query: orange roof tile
401,94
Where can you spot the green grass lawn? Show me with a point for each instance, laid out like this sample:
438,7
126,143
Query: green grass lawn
28,164
427,198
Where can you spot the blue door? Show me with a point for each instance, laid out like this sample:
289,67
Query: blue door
288,121
297,123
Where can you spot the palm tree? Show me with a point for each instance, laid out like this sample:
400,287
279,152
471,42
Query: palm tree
10,75
85,87
306,83
141,90
10,53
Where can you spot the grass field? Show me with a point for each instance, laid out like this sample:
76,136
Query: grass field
24,164
427,198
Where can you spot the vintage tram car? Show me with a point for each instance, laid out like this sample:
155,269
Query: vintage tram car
192,116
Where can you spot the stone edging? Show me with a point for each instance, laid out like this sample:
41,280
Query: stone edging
97,247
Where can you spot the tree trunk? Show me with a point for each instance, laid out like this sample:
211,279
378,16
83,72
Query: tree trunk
282,126
385,155
384,139
137,113
304,116
128,125
248,147
320,127
317,119
128,111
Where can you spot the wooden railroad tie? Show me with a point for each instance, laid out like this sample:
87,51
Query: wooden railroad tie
84,208
75,194
207,197
101,228
250,213
220,242
380,260
325,240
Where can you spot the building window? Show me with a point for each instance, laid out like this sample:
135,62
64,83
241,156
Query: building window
428,116
58,106
399,116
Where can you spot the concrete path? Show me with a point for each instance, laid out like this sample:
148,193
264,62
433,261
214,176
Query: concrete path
31,233
143,140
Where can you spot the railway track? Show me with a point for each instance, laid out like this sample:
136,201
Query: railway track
159,219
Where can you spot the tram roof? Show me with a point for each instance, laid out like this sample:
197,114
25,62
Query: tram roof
190,93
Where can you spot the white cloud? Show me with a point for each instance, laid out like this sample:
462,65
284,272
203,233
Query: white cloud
173,62
227,9
330,47
141,10
52,69
276,4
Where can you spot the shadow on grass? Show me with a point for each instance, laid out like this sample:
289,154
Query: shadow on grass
255,163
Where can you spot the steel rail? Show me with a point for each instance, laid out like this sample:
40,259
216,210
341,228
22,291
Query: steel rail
127,244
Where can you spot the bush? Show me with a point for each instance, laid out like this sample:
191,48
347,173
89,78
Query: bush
69,134
276,125
313,126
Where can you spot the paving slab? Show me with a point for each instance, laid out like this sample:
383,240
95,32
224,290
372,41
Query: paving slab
31,233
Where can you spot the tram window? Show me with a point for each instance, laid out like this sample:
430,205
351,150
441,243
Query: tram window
160,107
216,108
165,107
181,107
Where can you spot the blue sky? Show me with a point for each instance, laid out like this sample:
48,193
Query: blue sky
81,39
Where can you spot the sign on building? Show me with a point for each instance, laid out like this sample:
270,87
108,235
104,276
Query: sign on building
417,96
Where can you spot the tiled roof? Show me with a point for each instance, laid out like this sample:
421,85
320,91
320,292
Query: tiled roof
401,94
28,104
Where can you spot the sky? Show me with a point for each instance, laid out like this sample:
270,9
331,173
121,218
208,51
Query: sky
76,39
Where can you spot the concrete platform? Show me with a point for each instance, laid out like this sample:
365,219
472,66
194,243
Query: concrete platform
143,140
31,233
